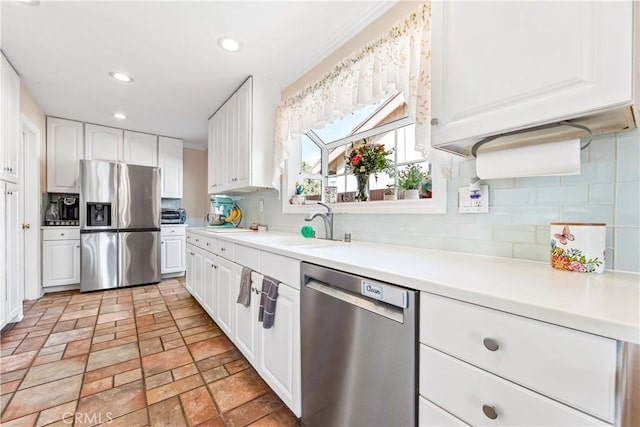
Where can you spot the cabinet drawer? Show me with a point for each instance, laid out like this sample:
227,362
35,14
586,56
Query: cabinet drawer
467,392
432,416
172,231
62,234
281,268
225,249
248,257
571,366
203,242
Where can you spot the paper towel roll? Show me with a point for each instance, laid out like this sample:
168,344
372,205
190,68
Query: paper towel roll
549,159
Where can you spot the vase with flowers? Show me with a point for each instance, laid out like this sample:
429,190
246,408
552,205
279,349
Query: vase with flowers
363,160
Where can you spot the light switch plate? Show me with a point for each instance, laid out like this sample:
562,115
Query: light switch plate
468,205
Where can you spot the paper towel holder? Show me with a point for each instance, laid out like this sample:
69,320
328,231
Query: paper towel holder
477,145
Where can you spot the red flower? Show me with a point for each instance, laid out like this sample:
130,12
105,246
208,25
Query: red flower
356,159
560,262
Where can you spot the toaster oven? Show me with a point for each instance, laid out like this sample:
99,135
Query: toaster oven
173,216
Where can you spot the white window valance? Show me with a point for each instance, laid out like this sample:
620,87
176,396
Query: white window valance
398,60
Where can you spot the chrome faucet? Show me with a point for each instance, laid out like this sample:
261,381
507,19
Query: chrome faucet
327,218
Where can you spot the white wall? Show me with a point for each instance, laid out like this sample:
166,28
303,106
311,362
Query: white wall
517,225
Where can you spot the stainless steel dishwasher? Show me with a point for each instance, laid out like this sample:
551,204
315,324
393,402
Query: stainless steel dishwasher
359,350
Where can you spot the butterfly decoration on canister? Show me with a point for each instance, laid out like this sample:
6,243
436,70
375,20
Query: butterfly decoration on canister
565,236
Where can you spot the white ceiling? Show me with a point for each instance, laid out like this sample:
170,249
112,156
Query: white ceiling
64,51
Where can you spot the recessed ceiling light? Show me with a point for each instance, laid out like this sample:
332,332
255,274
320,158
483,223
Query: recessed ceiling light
120,116
227,43
121,76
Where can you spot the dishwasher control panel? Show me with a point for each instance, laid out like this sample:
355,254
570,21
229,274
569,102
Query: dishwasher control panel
386,293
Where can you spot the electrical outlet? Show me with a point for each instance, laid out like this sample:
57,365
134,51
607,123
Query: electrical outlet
261,205
480,204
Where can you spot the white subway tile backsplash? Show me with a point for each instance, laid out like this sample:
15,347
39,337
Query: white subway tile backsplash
598,214
575,194
627,249
628,164
517,225
531,251
601,194
628,204
512,197
514,233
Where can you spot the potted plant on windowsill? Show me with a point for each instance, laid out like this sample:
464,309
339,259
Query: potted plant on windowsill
409,180
390,193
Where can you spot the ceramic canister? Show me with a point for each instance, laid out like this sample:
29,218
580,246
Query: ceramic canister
577,246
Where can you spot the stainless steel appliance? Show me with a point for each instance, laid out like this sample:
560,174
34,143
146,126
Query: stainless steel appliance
64,209
359,350
119,225
173,216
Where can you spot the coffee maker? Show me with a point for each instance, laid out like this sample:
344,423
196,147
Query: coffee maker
64,209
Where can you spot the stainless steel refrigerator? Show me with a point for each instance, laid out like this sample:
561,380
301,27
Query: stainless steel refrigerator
119,225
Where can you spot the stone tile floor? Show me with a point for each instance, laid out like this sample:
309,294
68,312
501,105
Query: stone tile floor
128,357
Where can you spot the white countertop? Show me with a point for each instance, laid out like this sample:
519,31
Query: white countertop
606,304
173,225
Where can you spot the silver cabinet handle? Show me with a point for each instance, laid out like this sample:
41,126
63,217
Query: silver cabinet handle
173,231
162,242
207,243
215,266
197,240
490,411
77,246
255,290
491,344
223,249
61,234
191,253
434,122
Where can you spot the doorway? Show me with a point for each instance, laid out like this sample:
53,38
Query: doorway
30,203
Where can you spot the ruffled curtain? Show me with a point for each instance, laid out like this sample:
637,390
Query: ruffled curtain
397,61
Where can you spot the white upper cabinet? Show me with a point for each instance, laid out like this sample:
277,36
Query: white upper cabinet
102,143
140,149
11,135
241,138
64,152
501,66
171,169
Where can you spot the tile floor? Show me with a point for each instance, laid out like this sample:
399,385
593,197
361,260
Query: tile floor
128,357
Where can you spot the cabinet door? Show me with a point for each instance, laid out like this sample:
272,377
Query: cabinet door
3,277
11,124
191,272
172,253
231,140
198,286
221,149
279,356
171,169
211,158
209,283
65,145
14,254
140,149
504,65
226,274
245,334
242,141
60,262
102,143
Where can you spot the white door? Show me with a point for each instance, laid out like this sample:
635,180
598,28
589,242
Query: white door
14,254
242,152
140,149
279,355
497,66
65,149
231,140
199,282
11,125
225,275
191,272
171,170
245,335
209,278
60,262
172,253
102,143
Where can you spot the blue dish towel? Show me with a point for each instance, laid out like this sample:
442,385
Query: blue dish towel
244,296
268,298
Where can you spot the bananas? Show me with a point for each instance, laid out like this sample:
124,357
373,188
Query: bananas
234,215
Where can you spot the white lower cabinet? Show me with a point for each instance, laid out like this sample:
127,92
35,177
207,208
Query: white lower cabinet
486,367
227,281
12,278
274,352
172,249
434,416
60,257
